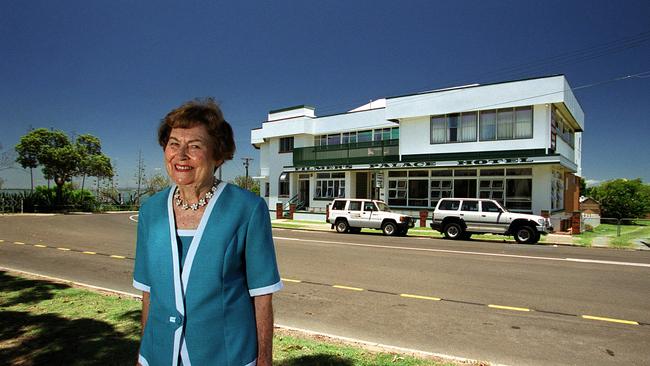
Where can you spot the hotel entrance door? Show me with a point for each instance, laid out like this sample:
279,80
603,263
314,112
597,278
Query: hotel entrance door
362,185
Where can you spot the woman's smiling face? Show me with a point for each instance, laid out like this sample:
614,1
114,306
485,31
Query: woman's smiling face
189,156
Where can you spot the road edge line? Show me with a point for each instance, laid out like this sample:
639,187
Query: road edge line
410,351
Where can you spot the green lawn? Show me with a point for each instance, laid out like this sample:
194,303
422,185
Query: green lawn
47,323
608,233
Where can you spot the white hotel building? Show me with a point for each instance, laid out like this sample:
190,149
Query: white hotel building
518,142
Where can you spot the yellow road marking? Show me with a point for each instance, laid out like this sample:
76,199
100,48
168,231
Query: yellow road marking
64,249
2,241
40,245
420,297
89,253
290,280
19,243
118,256
347,288
591,317
508,308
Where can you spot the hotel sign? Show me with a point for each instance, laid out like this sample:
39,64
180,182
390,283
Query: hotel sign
428,164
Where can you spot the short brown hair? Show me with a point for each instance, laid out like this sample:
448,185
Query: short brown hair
205,112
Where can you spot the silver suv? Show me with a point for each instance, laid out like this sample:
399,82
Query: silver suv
349,215
459,218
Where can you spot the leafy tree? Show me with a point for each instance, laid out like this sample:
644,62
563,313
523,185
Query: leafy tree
156,183
29,148
584,191
60,159
623,198
91,160
250,183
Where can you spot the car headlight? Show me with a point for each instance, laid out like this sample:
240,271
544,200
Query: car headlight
542,222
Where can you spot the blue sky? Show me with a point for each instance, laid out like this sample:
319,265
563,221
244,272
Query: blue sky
114,68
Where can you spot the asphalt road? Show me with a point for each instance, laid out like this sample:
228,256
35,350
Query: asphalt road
503,303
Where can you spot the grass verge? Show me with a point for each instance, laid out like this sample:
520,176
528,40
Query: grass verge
608,234
48,323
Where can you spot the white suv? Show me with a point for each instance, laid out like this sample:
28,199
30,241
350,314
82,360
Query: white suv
459,218
350,215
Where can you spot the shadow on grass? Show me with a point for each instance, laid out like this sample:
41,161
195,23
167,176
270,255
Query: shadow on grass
322,359
50,339
31,291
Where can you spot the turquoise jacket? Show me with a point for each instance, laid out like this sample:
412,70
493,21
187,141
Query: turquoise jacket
205,315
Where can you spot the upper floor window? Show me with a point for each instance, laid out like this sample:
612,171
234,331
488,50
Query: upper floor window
378,134
453,127
560,127
506,124
286,144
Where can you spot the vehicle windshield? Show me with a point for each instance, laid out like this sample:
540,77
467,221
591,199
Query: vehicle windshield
501,206
382,206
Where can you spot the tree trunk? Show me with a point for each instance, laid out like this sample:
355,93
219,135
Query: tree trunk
59,191
83,181
31,173
59,194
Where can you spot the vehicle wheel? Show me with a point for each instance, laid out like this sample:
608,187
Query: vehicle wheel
389,228
453,231
525,235
355,230
466,236
404,232
342,226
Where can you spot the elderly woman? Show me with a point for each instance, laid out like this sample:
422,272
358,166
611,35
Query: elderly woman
205,260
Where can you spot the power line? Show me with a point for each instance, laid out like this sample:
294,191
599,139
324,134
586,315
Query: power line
640,75
576,56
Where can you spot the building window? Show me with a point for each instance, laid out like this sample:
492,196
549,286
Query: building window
286,144
561,127
397,187
454,127
506,124
334,139
364,136
519,194
283,186
523,122
418,188
267,187
353,137
491,188
330,185
382,134
488,125
349,137
440,188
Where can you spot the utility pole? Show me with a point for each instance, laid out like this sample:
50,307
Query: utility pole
246,163
139,176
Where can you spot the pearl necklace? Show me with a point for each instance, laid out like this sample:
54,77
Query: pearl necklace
202,201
